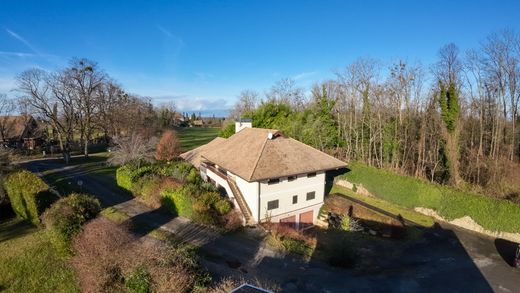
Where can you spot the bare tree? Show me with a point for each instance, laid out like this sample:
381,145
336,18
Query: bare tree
6,107
247,101
285,91
49,97
85,79
132,149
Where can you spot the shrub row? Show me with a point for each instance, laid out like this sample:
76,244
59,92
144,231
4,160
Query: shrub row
201,205
492,214
65,218
128,175
28,194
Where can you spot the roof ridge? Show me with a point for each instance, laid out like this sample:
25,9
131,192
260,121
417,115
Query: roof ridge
258,159
314,149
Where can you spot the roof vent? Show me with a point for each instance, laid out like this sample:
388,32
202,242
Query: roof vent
270,135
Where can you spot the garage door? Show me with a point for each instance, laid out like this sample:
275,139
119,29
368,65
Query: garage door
306,219
289,221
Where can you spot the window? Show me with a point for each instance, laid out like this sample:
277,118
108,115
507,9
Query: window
271,205
273,181
311,195
311,175
291,178
295,199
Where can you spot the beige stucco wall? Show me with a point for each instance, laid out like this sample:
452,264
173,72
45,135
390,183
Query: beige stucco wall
250,193
284,191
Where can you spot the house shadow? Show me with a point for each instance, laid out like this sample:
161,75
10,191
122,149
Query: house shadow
432,258
144,223
507,250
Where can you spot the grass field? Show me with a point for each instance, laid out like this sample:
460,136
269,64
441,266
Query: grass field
29,263
450,203
192,137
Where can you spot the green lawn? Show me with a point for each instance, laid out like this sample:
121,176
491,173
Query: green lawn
450,203
29,263
192,137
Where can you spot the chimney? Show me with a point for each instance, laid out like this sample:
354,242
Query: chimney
242,123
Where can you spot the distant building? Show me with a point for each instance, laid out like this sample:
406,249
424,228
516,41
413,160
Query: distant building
21,131
269,176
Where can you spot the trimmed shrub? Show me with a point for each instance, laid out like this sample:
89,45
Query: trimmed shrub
65,218
178,201
28,194
127,175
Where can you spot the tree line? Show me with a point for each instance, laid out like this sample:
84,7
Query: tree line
81,103
454,121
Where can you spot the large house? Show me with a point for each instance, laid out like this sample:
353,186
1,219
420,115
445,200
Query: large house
21,131
269,176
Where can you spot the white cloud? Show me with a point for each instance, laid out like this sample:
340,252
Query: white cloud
303,75
16,54
22,40
189,103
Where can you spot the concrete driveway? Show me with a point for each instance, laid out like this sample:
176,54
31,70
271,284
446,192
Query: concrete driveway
446,259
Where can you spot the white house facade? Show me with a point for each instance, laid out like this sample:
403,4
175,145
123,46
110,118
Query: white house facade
267,176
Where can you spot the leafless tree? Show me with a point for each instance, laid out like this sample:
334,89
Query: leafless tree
247,101
86,79
132,149
40,91
285,91
6,107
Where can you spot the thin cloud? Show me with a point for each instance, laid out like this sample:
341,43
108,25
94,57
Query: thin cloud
16,54
22,40
303,75
164,31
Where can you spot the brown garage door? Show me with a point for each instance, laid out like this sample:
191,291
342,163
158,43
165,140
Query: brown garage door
306,219
289,221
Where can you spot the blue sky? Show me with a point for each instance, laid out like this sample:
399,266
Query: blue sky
201,54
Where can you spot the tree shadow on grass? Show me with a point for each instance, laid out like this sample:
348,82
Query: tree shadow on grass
14,228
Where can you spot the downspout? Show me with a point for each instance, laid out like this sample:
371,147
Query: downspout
259,202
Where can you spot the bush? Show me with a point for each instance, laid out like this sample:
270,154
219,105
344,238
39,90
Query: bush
291,240
65,218
109,258
223,207
169,147
139,281
127,175
28,194
490,213
178,201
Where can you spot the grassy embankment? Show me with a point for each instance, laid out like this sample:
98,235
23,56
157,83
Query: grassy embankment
448,202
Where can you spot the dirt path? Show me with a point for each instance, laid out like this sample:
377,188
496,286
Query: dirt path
445,260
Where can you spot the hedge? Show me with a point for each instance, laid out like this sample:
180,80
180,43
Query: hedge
127,175
65,218
492,214
28,194
178,201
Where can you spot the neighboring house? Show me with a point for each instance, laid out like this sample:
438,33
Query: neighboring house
269,176
20,131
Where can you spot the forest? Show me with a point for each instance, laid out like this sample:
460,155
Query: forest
451,122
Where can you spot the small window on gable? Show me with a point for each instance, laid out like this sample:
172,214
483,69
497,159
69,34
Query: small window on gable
273,181
295,199
311,195
313,174
273,204
291,178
